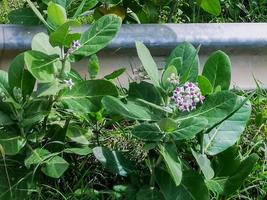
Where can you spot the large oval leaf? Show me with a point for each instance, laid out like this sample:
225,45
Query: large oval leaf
146,91
40,42
19,77
11,143
55,167
148,132
56,14
192,186
86,96
228,132
41,65
99,35
189,128
131,110
189,59
236,180
114,161
217,70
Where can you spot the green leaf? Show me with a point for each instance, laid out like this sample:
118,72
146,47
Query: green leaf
99,35
55,167
204,85
167,125
4,85
145,91
115,74
245,168
56,14
166,75
78,135
40,65
189,128
37,157
215,185
131,110
23,16
148,63
5,120
173,163
211,6
222,160
81,97
82,151
177,63
148,132
113,161
228,132
11,143
61,36
189,59
40,42
192,186
19,77
47,89
93,66
217,70
204,164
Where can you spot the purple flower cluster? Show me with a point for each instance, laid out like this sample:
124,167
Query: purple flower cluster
75,45
187,96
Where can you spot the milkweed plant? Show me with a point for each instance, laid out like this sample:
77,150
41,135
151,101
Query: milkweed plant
188,124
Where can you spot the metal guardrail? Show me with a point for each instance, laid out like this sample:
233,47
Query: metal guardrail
243,36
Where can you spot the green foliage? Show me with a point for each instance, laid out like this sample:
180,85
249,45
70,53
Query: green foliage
214,126
40,126
58,126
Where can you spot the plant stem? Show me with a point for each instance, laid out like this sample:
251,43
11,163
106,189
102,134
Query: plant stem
50,106
202,143
152,171
64,58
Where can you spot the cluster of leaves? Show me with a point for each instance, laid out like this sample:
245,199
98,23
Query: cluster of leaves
49,112
180,145
131,11
45,104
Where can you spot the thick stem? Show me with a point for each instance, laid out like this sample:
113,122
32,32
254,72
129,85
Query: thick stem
152,170
202,143
49,108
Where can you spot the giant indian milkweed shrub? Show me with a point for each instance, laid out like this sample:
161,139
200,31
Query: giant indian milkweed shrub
190,125
45,105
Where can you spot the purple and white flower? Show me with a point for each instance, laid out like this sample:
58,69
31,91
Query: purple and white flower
69,83
187,97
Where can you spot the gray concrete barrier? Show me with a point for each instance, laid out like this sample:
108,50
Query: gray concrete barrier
246,45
